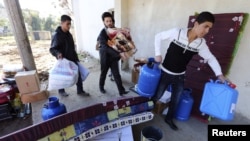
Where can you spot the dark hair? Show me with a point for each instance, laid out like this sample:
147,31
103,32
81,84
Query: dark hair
205,17
65,18
108,14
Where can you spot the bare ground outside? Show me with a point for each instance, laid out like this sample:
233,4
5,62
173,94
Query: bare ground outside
40,49
44,61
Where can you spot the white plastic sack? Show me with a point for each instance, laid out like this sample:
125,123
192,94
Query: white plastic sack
166,97
83,71
63,74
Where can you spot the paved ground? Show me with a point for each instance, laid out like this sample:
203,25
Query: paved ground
190,130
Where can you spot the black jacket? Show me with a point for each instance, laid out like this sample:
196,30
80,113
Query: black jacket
103,39
62,42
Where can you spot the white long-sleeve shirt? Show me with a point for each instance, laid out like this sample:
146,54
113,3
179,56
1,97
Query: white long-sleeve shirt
180,51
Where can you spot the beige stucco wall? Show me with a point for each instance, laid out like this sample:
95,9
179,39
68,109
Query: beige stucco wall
88,22
145,18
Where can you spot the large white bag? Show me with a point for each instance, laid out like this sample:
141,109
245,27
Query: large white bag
63,74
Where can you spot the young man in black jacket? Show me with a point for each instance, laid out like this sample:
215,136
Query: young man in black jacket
109,58
63,46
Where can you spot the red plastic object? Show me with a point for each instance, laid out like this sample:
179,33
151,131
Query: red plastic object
8,95
232,85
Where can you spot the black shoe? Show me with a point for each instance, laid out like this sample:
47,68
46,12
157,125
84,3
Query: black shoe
171,124
63,94
102,90
124,92
83,93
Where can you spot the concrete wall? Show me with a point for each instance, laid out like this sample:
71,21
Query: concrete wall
88,22
41,35
145,18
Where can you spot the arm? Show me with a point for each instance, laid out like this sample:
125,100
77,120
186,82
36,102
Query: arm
97,44
159,38
213,63
103,39
55,47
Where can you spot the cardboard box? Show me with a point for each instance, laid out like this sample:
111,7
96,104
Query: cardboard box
135,76
159,107
27,81
136,70
35,96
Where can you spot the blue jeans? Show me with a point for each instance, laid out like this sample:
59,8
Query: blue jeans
177,84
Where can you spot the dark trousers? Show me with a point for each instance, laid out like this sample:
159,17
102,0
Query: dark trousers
177,83
109,59
78,84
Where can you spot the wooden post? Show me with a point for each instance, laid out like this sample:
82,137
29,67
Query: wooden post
18,27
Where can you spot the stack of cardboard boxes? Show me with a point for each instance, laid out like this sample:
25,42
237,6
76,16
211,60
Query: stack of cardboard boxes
29,87
136,71
161,106
135,75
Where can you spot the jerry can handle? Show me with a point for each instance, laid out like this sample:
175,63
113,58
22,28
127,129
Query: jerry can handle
211,80
218,81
